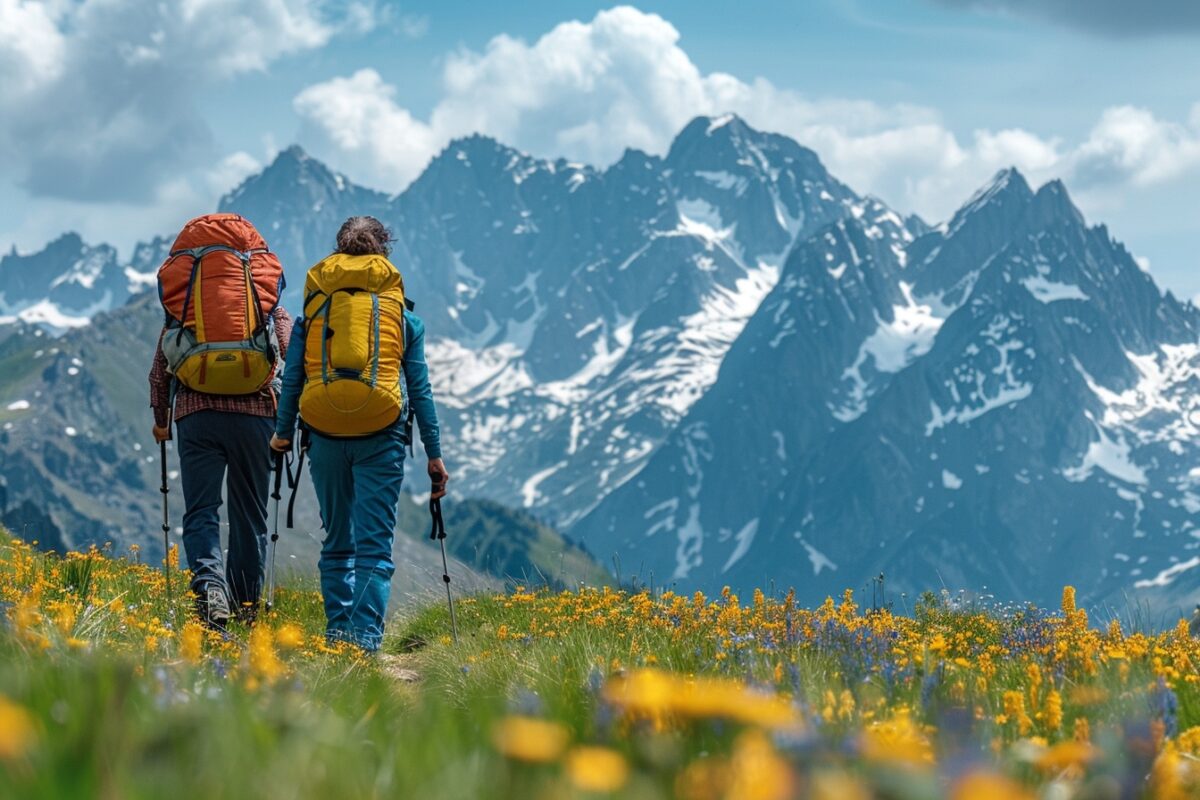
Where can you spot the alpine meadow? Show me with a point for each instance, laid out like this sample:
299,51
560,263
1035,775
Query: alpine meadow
564,416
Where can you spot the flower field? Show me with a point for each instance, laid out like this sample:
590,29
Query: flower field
108,690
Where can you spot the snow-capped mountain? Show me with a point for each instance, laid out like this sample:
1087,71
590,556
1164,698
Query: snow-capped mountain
65,284
724,366
575,314
1007,402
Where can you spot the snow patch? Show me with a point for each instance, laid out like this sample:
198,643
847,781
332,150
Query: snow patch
974,398
893,346
819,560
724,180
529,489
1109,455
1168,575
1047,291
701,219
719,122
140,281
18,405
744,538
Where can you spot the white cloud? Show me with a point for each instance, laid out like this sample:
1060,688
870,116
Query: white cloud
232,170
379,142
414,26
1129,143
31,46
588,90
97,101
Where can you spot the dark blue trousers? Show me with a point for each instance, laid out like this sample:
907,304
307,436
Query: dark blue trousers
218,447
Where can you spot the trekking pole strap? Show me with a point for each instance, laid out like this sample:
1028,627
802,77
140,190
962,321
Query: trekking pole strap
438,532
294,478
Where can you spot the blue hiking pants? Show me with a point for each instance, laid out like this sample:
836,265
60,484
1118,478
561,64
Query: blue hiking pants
218,447
357,482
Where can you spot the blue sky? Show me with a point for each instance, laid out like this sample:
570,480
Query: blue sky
120,118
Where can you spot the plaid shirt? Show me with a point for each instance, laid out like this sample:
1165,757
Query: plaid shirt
187,401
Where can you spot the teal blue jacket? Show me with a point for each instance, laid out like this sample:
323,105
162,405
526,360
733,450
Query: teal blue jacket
419,396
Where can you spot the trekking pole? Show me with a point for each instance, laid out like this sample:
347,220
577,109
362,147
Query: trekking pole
166,526
275,495
439,533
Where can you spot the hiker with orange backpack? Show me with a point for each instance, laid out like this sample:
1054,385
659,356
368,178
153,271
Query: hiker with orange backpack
215,367
355,366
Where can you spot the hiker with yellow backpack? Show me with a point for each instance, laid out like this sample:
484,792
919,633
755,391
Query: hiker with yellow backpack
213,373
355,368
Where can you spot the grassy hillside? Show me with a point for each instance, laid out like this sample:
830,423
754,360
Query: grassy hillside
508,544
107,690
77,466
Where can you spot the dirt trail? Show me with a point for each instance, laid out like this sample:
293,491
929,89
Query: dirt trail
399,667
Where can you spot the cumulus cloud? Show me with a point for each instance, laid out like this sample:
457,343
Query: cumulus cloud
232,170
1116,18
1130,144
588,90
31,46
378,142
97,103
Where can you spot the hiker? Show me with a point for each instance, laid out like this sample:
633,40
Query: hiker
343,378
215,365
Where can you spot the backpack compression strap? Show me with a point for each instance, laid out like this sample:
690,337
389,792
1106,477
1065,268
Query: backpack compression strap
198,253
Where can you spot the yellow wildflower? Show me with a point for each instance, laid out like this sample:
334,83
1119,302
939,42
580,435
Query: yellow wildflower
898,740
1068,600
846,705
289,636
988,786
654,693
1189,741
597,769
264,661
1053,713
530,739
17,731
191,642
1065,755
757,772
828,785
1014,711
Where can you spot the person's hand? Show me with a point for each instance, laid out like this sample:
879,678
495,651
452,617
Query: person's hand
162,434
439,477
280,445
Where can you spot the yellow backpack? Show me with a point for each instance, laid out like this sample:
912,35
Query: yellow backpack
353,346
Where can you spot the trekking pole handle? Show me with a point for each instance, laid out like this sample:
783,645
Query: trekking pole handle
165,489
438,529
162,462
277,494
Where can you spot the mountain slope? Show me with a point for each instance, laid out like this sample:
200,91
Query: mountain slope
77,467
1030,401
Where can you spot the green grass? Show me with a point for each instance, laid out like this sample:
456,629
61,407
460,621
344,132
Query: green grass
99,696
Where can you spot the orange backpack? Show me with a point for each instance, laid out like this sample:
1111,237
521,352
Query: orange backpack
219,287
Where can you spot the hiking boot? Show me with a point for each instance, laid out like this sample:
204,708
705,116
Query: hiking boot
212,606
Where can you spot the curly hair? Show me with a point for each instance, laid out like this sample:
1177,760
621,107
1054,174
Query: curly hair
364,236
